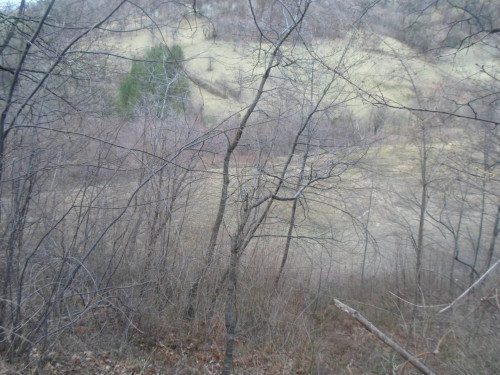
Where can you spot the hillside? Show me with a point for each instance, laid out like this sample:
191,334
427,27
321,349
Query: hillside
197,187
223,70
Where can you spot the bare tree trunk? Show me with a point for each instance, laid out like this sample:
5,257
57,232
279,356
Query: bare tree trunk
232,277
477,246
193,292
363,266
419,243
456,248
298,186
494,236
291,225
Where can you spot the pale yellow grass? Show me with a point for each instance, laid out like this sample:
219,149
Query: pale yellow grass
382,66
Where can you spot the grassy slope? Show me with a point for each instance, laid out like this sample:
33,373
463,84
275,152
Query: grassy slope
380,65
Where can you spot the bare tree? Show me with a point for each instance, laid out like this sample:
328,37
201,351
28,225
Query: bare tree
66,163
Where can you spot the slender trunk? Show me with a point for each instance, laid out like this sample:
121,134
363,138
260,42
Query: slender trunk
193,292
496,231
230,315
363,266
423,209
287,244
293,213
477,248
419,243
298,186
456,246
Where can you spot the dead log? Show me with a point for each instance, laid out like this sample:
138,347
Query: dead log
386,339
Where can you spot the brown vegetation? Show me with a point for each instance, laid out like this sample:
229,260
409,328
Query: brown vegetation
339,154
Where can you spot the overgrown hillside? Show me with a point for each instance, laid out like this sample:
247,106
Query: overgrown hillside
199,186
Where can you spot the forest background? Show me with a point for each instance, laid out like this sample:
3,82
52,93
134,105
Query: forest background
197,186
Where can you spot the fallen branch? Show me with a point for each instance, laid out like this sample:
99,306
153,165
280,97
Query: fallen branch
478,281
386,339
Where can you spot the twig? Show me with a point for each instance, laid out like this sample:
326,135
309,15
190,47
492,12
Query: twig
386,339
471,287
